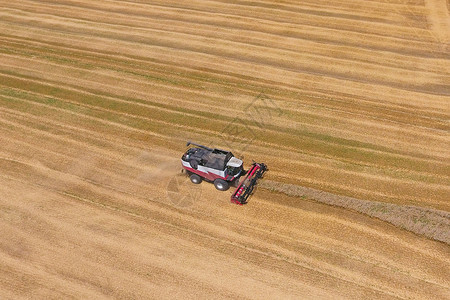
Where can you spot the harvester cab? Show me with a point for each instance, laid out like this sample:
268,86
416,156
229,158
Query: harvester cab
223,169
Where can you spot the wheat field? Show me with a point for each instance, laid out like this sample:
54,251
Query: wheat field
97,101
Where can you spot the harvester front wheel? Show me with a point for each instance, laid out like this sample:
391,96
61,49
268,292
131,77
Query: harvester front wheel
221,184
195,179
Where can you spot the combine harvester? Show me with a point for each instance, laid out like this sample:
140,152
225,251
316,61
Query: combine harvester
223,169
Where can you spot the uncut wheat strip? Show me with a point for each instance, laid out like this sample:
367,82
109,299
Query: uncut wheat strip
402,216
277,74
319,224
380,190
291,226
392,185
330,66
345,236
253,37
361,193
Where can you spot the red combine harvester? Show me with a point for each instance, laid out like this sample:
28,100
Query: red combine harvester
223,169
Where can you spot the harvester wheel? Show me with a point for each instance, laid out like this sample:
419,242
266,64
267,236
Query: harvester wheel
221,184
195,179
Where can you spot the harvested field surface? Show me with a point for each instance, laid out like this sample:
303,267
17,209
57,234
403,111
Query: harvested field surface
97,99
